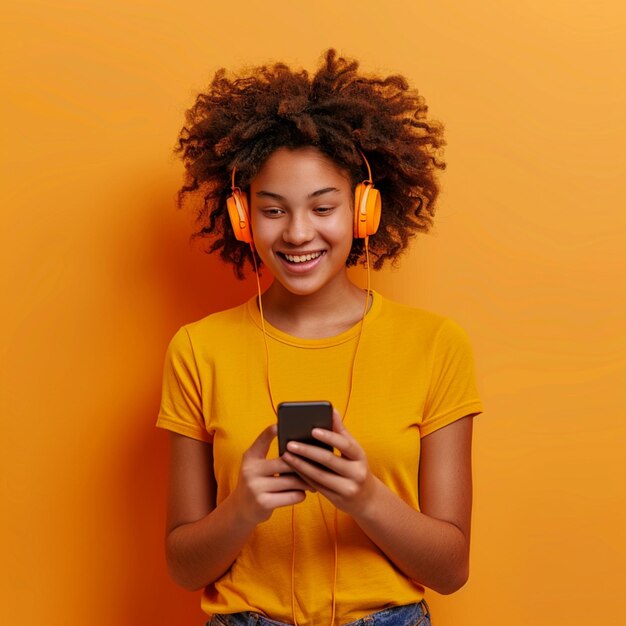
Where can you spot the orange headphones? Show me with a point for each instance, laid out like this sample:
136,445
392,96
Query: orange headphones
367,209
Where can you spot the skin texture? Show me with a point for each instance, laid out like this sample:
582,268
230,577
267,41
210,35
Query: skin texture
305,220
202,540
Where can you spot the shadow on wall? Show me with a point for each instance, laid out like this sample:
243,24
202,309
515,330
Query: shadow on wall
190,285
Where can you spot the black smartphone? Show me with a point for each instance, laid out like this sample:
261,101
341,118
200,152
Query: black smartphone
296,420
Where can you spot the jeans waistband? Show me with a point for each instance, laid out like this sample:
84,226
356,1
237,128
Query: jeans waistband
406,615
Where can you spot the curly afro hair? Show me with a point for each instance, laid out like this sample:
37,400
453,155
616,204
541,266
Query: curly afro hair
242,120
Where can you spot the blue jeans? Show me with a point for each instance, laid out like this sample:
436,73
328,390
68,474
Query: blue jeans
408,615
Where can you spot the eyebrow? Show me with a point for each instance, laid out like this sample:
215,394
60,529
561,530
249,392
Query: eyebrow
276,196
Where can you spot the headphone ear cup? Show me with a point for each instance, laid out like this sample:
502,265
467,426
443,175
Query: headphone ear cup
367,210
237,205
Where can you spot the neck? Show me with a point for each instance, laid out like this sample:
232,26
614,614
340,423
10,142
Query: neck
325,313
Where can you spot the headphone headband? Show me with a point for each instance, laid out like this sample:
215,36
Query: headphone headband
369,171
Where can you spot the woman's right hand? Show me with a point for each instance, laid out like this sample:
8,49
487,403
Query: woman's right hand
266,484
202,539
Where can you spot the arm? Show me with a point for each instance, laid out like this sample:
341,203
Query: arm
431,546
202,540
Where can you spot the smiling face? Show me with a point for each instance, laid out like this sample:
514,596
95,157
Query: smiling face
301,213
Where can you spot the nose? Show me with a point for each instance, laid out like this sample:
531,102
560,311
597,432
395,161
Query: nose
299,229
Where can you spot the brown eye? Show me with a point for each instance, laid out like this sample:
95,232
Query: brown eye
272,212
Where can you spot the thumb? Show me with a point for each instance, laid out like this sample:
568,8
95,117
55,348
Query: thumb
261,444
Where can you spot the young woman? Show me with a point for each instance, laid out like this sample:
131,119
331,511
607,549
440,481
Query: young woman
315,537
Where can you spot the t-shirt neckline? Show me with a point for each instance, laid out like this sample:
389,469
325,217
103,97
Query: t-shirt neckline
324,342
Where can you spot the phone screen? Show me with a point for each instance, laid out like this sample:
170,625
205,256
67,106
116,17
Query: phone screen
296,420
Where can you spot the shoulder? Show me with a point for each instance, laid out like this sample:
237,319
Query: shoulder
428,324
216,324
211,330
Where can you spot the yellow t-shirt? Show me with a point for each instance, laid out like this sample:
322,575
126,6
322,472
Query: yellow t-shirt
413,374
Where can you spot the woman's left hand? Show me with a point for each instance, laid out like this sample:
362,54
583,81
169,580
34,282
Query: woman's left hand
348,483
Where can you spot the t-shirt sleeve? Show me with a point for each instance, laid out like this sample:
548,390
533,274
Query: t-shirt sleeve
452,392
181,398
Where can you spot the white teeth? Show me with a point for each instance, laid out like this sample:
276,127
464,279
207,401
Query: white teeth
302,258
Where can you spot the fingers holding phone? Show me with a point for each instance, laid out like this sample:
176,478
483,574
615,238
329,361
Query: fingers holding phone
344,479
266,484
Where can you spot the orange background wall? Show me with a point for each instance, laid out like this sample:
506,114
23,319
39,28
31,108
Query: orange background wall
97,274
